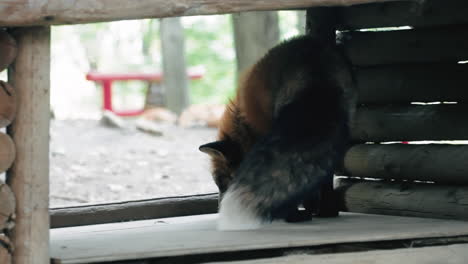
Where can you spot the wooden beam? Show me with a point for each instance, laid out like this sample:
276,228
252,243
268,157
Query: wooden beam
404,13
435,162
398,84
8,104
321,23
134,210
404,199
56,12
7,152
29,176
441,44
410,123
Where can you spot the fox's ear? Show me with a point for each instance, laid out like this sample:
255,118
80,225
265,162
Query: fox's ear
215,149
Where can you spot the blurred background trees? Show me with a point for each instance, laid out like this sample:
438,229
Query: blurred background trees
136,47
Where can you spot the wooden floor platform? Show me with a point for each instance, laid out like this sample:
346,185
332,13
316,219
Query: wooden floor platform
450,254
197,235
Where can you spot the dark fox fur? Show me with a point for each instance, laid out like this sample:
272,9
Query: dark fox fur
282,136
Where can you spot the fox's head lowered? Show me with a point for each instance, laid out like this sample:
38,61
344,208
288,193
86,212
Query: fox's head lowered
245,118
235,138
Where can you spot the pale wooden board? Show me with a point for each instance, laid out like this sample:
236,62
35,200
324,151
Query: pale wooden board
54,12
453,254
197,235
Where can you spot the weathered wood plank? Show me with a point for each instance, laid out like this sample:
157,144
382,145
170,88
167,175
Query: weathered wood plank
413,83
134,210
410,123
434,162
29,175
441,44
404,13
404,199
7,152
451,254
55,12
7,207
184,236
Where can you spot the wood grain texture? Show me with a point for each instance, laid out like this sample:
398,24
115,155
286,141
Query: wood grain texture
397,84
434,162
404,13
8,104
54,12
410,123
7,207
7,152
8,49
194,235
451,254
404,199
29,175
441,44
134,210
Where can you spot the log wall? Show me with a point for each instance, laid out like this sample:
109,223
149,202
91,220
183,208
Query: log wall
412,85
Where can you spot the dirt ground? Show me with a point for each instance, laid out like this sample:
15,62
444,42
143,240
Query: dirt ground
92,163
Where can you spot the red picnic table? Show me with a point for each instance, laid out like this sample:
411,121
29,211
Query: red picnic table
108,78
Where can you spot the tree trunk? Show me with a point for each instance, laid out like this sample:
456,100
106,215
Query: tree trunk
254,34
174,69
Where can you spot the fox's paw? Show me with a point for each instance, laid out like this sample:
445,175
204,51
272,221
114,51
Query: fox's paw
233,215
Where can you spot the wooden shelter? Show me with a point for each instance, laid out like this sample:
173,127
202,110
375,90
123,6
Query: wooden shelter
413,86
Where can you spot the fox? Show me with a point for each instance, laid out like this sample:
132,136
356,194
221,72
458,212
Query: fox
282,136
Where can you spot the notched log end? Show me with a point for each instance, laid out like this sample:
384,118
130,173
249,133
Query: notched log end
7,207
8,104
8,49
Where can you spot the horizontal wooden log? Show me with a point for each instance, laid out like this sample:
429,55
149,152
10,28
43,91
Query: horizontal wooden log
404,13
439,163
8,102
8,49
413,83
134,210
5,250
54,12
442,44
410,123
7,152
7,207
404,199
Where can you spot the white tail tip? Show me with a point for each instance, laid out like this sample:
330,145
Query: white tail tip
235,216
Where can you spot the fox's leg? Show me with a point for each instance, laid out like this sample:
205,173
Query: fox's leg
324,204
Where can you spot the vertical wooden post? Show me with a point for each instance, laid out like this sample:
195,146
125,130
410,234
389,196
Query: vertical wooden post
174,69
321,22
254,34
29,175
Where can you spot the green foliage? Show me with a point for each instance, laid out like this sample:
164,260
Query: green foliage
208,42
